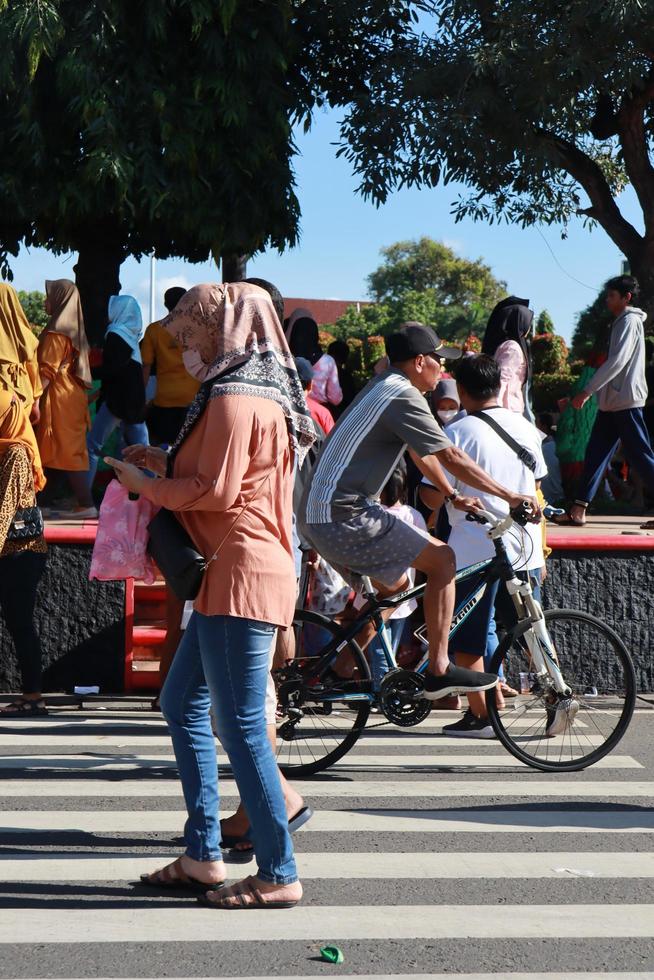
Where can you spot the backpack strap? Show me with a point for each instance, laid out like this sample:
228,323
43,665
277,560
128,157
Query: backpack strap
524,455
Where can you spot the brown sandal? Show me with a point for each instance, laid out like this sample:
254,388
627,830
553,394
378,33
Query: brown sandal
25,708
260,901
164,878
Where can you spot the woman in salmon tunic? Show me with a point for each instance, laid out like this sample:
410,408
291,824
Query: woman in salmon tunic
66,377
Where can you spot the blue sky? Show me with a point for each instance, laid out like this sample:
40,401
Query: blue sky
341,235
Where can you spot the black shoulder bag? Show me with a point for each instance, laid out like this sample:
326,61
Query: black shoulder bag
175,553
26,525
524,455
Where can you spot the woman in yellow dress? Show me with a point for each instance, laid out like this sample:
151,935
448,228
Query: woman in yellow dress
63,357
19,370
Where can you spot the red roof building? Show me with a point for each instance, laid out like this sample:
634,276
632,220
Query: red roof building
323,310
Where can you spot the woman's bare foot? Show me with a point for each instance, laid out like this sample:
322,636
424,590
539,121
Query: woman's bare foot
238,824
185,868
255,891
578,514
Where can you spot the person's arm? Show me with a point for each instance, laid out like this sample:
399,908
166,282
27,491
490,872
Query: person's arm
431,497
333,389
148,355
220,465
409,418
621,349
53,351
463,468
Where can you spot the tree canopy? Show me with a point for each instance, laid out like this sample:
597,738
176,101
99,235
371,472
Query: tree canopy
426,280
591,333
166,126
139,127
544,110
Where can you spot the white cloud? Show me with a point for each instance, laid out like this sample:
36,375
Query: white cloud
140,289
454,243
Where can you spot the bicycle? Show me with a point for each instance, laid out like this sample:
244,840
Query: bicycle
577,680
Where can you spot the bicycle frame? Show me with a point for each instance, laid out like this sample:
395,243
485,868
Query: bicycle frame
531,621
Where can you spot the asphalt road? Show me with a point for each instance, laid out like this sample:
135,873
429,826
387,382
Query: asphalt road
423,859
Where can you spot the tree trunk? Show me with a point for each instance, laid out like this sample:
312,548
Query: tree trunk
97,275
642,267
234,267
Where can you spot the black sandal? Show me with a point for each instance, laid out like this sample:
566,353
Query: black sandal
231,842
25,708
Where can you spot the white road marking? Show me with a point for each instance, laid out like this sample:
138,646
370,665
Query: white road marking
358,864
121,762
553,787
348,821
195,924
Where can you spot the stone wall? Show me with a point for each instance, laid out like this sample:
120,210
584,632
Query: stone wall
617,587
81,624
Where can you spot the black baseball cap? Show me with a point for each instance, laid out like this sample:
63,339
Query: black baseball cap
413,339
304,370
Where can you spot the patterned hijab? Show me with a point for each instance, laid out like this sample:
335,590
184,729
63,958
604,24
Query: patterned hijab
17,345
126,320
234,344
67,318
16,430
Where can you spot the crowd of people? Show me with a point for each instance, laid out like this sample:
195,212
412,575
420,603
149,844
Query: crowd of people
257,443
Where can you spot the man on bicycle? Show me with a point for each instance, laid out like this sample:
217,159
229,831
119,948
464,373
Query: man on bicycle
341,514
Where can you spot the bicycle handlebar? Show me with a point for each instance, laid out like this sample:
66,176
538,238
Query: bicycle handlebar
498,526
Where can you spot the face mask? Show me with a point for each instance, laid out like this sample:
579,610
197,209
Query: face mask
447,416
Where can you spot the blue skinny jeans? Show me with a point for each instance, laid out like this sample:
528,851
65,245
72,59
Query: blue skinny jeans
223,661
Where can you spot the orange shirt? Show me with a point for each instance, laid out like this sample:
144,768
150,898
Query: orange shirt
238,448
175,386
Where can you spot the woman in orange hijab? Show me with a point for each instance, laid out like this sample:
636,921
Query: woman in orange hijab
22,562
63,357
19,370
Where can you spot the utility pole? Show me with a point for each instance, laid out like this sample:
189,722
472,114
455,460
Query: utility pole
153,295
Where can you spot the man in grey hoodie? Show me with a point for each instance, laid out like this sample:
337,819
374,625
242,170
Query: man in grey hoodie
622,392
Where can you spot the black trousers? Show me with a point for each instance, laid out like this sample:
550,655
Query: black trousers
19,579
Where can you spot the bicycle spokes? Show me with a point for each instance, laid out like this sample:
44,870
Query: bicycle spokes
573,713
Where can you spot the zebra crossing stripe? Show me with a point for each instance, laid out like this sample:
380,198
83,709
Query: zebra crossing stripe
451,976
404,742
360,865
192,923
349,821
555,787
131,761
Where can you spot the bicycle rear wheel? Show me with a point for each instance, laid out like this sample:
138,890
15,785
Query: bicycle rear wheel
596,666
319,719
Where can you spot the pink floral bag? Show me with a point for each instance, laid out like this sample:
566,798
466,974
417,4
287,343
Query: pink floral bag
120,549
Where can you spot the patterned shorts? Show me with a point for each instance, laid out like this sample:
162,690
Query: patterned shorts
375,543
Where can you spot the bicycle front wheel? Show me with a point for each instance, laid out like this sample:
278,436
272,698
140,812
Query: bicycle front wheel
596,666
319,718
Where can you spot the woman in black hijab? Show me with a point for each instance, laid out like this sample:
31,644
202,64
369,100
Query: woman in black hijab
304,340
505,340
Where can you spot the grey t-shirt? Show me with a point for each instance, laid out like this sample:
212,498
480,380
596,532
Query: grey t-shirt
364,448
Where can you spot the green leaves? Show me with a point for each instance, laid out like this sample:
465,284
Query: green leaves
164,123
504,97
425,280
